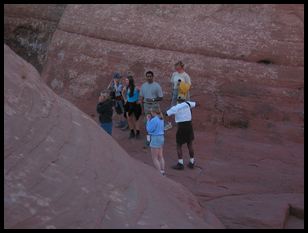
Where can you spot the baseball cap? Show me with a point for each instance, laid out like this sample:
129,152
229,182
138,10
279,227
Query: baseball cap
181,97
116,75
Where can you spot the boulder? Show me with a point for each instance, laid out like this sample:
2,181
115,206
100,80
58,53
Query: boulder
246,65
28,29
61,170
243,60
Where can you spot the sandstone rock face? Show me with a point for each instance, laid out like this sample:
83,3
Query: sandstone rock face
62,171
28,29
245,32
246,65
244,60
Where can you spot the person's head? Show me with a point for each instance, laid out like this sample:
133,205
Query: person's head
179,66
103,96
155,111
149,75
181,98
126,81
131,81
117,77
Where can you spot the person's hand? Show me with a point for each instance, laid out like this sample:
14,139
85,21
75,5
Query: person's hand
100,98
148,117
197,104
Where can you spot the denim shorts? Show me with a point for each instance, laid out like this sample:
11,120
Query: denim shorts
157,141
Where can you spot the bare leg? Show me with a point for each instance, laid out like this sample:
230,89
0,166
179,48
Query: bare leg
179,151
129,121
190,149
155,158
161,159
133,121
137,124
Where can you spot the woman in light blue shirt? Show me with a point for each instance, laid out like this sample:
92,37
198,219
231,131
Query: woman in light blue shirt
155,128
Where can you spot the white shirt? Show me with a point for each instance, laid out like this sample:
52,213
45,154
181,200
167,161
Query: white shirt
184,77
181,111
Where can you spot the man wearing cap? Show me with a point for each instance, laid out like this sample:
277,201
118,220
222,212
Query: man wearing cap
185,132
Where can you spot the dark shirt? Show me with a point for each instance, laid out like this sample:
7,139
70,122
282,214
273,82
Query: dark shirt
105,111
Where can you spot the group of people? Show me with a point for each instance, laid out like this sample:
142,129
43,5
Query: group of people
131,102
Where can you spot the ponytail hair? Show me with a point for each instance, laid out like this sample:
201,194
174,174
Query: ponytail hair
131,86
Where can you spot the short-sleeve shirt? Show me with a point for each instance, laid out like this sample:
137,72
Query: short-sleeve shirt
181,111
184,77
151,90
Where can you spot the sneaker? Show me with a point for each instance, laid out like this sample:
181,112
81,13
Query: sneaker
178,166
191,165
131,135
168,126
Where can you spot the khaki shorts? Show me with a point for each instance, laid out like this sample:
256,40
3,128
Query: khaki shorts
148,106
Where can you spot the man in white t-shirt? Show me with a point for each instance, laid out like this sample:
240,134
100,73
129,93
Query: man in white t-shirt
177,77
185,132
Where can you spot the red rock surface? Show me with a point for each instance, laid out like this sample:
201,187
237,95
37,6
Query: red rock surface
248,180
250,124
28,29
247,32
93,41
61,170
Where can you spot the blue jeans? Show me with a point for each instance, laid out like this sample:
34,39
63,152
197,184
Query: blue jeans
107,127
119,107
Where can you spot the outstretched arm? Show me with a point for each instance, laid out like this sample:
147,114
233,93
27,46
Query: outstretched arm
123,92
171,111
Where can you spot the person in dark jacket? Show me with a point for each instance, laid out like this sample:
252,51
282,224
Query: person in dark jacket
104,109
